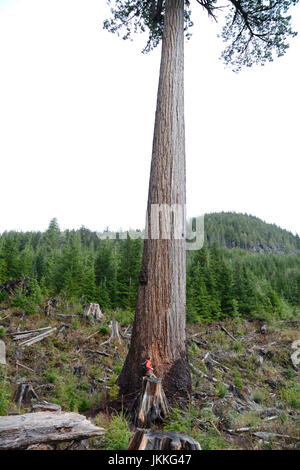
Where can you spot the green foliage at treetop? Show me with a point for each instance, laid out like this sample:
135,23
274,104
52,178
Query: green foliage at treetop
258,278
254,30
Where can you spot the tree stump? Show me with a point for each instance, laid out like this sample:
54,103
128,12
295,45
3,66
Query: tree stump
144,439
50,307
92,311
2,353
151,404
115,335
25,394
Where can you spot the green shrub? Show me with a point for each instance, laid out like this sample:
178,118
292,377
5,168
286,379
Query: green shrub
76,324
291,395
289,373
237,347
118,367
5,395
237,380
181,420
114,392
68,392
117,434
2,331
258,396
51,377
124,317
30,298
84,404
211,440
104,330
221,390
206,414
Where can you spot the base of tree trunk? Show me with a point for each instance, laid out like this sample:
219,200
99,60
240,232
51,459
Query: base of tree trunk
151,405
144,439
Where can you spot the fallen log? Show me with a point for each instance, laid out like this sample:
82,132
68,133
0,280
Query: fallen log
98,352
19,333
144,439
227,332
18,364
208,377
29,342
151,404
22,431
268,435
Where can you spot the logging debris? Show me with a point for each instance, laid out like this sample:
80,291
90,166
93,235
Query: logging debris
22,431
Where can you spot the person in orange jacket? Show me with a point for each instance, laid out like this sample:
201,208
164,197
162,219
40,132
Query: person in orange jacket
148,367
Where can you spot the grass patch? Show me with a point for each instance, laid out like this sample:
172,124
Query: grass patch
117,435
221,390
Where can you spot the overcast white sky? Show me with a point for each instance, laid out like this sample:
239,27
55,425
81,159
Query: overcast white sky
77,113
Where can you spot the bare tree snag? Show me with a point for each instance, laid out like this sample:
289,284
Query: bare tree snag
115,335
144,439
151,405
50,307
160,317
21,431
25,394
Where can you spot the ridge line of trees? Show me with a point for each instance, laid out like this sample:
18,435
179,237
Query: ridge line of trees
78,266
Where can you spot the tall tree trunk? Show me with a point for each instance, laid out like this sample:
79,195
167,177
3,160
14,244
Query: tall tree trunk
159,325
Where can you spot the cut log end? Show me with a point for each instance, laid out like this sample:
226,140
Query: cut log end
144,439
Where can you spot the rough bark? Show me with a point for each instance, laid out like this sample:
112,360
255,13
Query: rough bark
151,405
21,431
146,440
159,325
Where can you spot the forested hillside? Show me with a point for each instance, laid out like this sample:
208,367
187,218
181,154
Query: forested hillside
231,230
260,278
